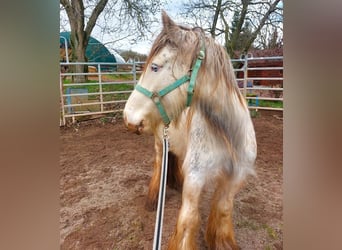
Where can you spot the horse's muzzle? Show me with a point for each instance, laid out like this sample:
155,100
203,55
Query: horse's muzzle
138,129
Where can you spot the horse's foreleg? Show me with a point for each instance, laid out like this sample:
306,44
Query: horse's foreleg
184,236
220,230
153,189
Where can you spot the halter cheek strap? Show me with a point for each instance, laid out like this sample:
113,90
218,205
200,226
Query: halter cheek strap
156,96
194,76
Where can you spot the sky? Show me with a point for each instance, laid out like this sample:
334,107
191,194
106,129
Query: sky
172,9
142,47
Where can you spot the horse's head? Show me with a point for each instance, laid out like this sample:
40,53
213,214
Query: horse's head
158,96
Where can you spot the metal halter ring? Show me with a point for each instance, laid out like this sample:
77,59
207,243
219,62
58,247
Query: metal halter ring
155,97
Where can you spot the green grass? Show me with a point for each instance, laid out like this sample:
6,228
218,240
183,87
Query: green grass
272,104
270,231
266,103
107,78
254,113
105,88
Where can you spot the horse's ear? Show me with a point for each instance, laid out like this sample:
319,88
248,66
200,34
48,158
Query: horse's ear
167,21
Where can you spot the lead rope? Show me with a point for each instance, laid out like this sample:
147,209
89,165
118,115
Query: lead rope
158,228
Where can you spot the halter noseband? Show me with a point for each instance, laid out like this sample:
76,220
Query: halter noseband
156,96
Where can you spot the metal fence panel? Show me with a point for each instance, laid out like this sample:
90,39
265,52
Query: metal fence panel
106,91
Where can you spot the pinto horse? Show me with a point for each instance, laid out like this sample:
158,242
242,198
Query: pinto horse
189,86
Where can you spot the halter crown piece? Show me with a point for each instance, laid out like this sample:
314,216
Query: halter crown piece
156,96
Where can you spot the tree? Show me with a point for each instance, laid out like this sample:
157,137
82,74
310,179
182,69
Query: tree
120,16
271,39
237,24
132,55
243,34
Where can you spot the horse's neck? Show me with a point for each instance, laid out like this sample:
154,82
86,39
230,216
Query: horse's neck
224,113
177,133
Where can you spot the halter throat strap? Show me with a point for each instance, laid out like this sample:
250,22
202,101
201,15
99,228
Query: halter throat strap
157,96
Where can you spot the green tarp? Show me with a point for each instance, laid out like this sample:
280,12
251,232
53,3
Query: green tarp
95,51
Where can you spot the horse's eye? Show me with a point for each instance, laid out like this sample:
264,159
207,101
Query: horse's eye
155,67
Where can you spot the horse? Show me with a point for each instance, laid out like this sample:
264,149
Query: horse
188,86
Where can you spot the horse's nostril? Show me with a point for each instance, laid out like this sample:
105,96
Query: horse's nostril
137,128
140,127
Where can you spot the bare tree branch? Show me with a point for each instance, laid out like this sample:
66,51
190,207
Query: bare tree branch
94,16
250,19
261,24
121,18
216,15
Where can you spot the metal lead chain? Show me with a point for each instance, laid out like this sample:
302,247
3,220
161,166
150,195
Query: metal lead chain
158,229
166,132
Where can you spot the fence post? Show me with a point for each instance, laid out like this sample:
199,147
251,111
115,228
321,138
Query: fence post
100,86
66,49
245,75
61,96
134,71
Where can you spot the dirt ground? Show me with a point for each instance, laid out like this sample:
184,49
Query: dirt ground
104,176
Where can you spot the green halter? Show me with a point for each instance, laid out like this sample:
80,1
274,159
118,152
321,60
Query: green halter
156,96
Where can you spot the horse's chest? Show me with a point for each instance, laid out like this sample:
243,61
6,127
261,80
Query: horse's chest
178,142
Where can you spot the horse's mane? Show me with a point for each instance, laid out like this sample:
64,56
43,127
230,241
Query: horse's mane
176,38
222,107
216,58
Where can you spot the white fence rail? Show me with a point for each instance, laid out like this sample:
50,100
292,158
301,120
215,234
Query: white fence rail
108,85
261,84
105,90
